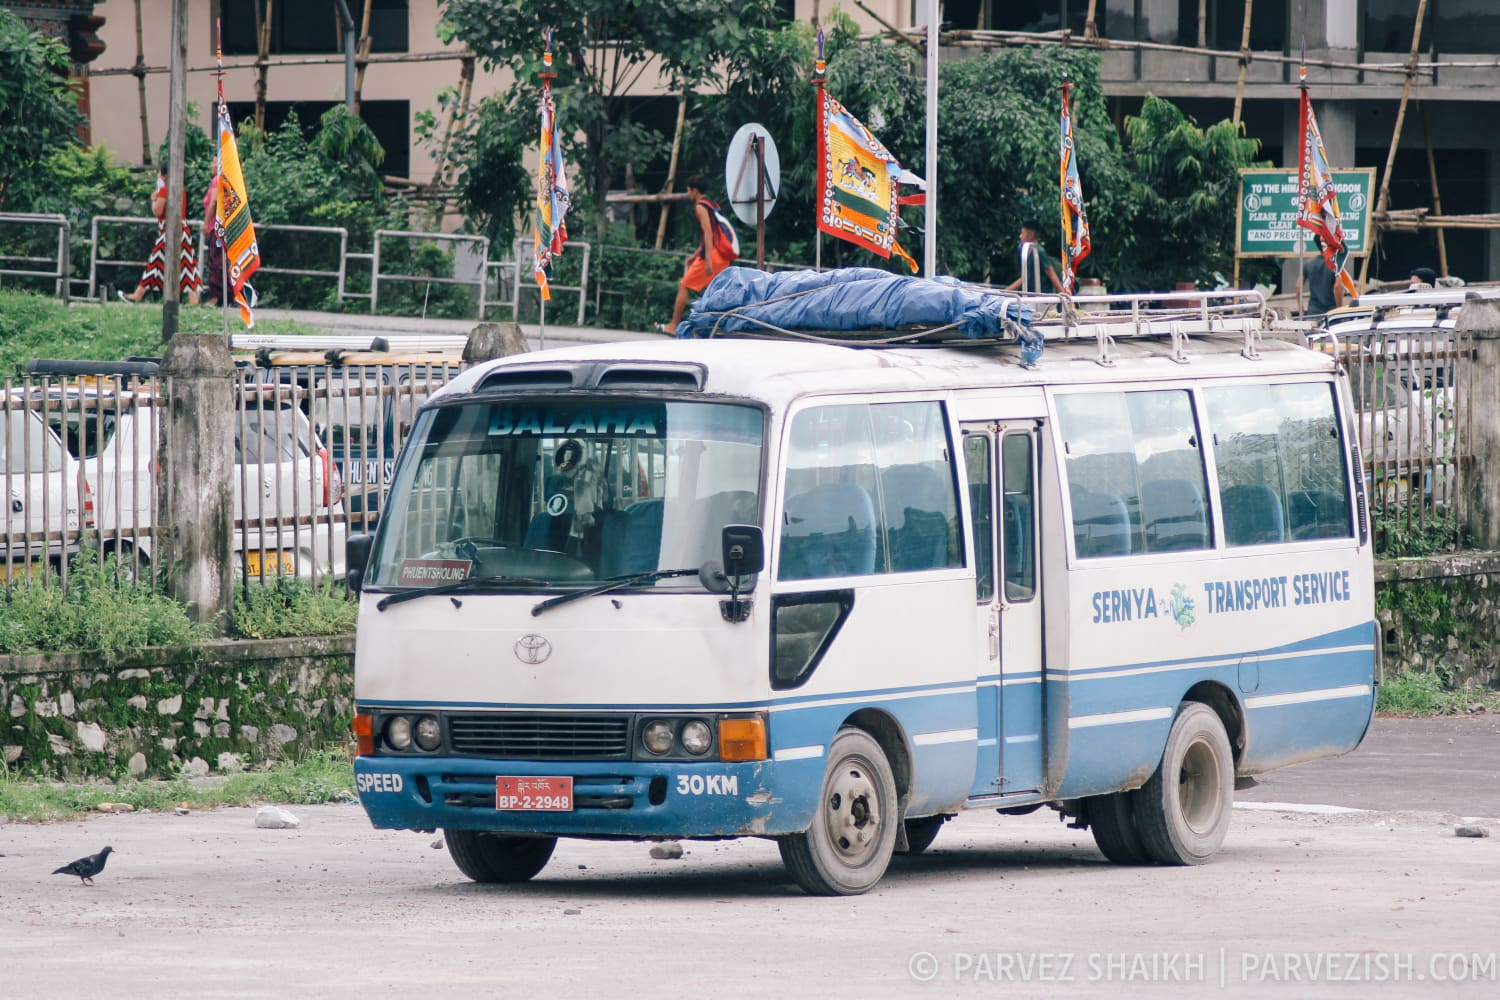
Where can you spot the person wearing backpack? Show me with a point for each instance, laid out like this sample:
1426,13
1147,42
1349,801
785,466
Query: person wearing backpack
717,249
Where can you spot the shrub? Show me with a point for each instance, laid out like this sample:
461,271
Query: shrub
102,608
291,607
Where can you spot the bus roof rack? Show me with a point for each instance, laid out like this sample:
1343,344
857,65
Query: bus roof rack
1177,315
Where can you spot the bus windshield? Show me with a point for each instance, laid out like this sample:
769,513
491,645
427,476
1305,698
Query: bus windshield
568,492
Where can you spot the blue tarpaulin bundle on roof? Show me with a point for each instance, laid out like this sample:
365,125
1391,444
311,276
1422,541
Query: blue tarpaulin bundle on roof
744,300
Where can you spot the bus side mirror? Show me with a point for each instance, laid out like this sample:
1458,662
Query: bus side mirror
744,550
357,560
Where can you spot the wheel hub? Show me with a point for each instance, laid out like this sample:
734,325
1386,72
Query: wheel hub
853,815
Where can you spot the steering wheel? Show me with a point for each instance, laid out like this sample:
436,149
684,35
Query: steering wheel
468,546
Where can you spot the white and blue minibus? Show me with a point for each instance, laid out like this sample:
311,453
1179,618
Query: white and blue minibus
833,595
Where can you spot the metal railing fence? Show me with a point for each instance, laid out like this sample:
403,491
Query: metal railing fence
20,265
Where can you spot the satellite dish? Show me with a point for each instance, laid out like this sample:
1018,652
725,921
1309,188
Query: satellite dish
740,172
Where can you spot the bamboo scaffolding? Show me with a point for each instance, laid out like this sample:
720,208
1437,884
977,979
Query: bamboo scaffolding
1437,201
362,60
139,72
1245,57
1384,199
661,223
263,15
394,57
1411,220
990,38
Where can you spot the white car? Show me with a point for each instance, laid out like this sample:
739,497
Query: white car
289,519
48,504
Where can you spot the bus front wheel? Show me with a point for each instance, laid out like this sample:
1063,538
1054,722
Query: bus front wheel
493,857
853,832
1182,813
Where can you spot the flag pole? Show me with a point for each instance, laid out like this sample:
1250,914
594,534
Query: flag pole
547,76
819,67
1304,103
218,182
929,234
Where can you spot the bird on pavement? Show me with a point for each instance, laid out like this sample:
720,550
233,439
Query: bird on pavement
86,868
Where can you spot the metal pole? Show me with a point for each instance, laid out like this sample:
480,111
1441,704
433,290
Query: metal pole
347,19
929,235
176,135
760,202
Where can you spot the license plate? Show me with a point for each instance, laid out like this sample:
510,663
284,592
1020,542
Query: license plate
271,562
537,794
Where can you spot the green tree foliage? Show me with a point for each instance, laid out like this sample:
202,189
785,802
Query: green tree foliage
38,109
1178,223
603,49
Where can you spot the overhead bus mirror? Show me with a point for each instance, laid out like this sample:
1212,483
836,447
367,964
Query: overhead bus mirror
744,550
357,559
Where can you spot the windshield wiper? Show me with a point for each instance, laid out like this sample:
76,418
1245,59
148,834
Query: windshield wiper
614,583
452,588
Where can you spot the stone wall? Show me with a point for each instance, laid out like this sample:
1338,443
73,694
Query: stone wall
212,707
1441,613
153,712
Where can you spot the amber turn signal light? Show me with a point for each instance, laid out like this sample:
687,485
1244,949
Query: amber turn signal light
364,733
742,739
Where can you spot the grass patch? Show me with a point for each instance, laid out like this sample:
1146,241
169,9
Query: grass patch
291,608
1430,694
39,326
318,776
101,609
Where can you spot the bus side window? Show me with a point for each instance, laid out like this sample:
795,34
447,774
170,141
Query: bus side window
1281,463
918,501
1135,472
981,503
1017,525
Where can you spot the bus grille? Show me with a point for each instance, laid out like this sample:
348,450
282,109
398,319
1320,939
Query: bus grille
540,737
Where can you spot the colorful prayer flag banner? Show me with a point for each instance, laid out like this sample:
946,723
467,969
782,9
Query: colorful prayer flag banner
1075,222
549,231
233,228
857,178
1317,201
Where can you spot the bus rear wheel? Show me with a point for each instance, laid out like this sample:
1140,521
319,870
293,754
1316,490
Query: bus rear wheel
1112,822
494,857
853,832
1182,813
920,833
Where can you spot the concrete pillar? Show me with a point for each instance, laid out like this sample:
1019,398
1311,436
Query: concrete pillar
493,340
1481,321
195,520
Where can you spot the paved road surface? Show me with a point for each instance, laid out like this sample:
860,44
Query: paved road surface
1358,904
1445,765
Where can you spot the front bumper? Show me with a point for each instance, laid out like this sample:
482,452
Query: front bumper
630,799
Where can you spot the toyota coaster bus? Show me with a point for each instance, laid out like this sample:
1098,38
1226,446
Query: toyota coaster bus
777,586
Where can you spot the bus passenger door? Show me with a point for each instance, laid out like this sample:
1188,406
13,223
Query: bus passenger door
1001,461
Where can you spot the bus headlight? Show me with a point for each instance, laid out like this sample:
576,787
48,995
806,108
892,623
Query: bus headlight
657,736
697,738
398,732
429,733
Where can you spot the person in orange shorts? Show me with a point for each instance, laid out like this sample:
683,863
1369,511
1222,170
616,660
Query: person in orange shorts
717,249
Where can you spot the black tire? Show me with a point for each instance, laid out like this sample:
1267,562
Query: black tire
495,857
1112,822
1182,813
853,832
920,833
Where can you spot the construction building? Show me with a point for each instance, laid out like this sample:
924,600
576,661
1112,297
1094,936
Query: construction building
1445,165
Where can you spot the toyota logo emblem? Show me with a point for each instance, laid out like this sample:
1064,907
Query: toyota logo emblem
533,648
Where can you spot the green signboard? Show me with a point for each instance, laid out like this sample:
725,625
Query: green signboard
1266,219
